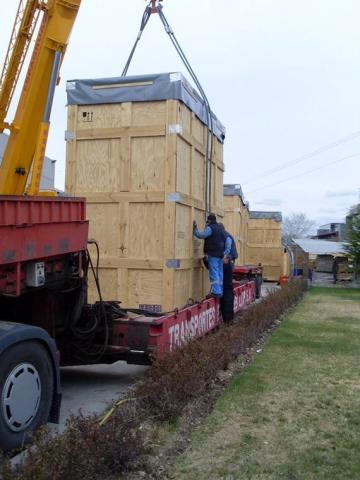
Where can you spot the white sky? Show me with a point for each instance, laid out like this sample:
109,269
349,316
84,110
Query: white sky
283,76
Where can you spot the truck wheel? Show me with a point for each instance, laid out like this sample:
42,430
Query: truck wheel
26,392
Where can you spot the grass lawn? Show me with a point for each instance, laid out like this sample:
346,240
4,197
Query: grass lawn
294,413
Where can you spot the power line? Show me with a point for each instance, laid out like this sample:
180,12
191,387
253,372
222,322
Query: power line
304,157
306,173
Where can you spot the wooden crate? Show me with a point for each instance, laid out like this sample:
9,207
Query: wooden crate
264,243
141,166
236,217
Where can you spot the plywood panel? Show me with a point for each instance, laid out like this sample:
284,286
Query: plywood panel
105,217
97,168
198,175
198,130
145,287
256,236
149,113
198,283
147,163
184,118
146,226
182,287
108,284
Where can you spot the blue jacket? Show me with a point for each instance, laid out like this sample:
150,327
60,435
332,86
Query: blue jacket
233,250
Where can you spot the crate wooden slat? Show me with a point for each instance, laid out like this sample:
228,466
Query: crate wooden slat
144,187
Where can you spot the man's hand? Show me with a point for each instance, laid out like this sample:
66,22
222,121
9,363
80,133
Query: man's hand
226,260
194,225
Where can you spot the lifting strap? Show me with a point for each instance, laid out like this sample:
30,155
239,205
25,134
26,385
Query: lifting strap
155,6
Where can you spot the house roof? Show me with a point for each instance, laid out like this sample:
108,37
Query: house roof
320,247
233,189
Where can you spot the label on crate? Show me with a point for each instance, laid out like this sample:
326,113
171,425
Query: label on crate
173,263
150,308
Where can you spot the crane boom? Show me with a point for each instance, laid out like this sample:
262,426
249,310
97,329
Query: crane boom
25,23
29,130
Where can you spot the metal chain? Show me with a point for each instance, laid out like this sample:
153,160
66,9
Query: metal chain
152,8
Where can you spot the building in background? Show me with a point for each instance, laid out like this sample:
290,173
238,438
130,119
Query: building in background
48,174
319,255
335,232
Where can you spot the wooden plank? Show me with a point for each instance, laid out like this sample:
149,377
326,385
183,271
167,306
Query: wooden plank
110,133
133,197
169,209
70,175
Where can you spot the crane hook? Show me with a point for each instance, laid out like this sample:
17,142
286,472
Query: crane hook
154,5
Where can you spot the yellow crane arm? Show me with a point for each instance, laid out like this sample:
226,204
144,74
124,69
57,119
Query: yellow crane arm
28,136
24,26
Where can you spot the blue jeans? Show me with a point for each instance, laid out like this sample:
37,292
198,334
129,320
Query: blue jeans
216,275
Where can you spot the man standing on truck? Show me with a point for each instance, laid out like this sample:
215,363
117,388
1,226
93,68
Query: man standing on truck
228,266
214,248
227,300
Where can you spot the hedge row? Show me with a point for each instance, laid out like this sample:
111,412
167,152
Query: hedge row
89,449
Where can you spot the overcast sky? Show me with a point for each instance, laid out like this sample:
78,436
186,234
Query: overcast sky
283,76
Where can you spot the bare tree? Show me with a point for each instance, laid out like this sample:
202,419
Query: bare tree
296,225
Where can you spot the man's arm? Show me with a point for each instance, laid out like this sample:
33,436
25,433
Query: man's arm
202,233
228,243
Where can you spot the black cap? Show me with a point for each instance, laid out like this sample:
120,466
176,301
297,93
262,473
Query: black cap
211,218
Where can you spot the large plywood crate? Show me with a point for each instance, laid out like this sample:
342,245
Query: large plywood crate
140,163
264,243
236,217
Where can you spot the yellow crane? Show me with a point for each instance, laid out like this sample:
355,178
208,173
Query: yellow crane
25,150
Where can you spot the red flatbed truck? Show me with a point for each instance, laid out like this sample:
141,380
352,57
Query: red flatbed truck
45,318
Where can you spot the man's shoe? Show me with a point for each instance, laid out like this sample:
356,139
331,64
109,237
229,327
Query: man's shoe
214,295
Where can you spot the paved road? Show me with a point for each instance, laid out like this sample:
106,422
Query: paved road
91,388
267,287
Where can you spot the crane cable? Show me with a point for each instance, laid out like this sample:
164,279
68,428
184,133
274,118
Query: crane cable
152,8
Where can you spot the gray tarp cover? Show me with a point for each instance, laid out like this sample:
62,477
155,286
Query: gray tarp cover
141,88
277,216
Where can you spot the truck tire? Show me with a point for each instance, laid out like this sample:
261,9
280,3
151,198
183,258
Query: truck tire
26,392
